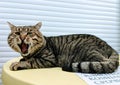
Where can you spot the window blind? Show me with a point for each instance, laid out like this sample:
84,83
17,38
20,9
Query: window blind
61,17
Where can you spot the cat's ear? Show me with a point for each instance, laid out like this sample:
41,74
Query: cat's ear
13,27
38,25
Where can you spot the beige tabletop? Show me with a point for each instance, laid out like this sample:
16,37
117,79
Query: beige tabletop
47,76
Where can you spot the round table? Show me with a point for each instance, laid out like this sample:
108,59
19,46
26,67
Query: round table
46,76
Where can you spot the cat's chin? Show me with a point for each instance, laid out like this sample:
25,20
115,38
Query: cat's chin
24,54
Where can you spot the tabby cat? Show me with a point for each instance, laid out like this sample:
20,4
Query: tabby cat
74,53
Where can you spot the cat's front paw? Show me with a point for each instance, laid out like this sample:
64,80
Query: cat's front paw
13,66
16,66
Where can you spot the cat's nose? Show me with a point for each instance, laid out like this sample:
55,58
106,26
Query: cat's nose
23,36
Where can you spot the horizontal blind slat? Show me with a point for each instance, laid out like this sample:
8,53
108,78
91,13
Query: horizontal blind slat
58,4
81,15
68,10
56,19
88,2
8,54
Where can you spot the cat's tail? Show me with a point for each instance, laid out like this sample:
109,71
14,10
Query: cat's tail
107,66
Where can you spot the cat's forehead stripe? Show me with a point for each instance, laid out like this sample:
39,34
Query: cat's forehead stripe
24,28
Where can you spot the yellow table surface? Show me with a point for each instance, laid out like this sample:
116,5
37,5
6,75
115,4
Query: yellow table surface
47,76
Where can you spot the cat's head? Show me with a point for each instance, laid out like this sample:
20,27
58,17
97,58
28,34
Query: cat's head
26,39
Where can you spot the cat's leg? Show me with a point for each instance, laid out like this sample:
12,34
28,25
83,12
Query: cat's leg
20,66
67,64
33,63
67,67
24,64
97,64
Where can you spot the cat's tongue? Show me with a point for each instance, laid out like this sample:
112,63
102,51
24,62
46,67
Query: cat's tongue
24,48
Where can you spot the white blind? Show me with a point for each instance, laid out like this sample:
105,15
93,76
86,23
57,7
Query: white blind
97,17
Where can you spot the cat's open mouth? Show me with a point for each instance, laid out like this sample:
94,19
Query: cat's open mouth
24,47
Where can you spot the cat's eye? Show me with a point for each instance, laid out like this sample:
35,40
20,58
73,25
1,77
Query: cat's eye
29,33
17,33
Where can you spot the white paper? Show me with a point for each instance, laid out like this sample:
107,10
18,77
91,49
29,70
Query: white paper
101,79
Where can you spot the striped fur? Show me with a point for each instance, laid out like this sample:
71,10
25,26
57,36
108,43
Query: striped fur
75,53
